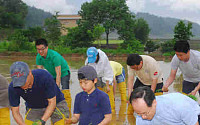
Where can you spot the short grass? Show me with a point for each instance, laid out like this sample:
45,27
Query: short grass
110,41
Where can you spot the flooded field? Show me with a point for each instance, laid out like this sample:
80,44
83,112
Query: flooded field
120,117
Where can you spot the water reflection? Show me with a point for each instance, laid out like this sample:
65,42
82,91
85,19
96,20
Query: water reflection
120,117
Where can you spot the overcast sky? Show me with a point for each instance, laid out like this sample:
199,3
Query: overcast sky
181,9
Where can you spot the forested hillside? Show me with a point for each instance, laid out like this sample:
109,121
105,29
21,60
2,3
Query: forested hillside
163,27
36,17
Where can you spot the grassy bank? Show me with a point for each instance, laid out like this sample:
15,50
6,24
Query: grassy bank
6,50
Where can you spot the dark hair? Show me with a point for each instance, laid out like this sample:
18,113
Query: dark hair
41,42
182,46
98,57
144,92
133,59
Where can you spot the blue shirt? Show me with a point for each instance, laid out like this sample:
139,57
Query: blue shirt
173,109
92,107
44,87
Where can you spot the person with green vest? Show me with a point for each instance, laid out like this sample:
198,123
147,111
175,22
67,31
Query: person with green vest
56,65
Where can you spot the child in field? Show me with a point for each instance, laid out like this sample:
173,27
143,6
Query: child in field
119,79
91,106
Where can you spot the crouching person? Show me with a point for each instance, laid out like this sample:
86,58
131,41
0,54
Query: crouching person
168,109
91,106
43,98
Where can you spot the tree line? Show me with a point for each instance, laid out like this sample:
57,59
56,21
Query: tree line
98,16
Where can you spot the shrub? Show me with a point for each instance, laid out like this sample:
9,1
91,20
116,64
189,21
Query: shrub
19,42
167,46
133,46
78,37
169,53
151,46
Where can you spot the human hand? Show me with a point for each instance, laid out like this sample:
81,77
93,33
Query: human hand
127,100
68,121
165,89
108,89
37,123
193,93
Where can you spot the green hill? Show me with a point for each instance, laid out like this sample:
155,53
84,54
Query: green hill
163,27
36,17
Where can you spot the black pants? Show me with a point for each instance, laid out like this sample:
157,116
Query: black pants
189,87
199,119
138,83
65,80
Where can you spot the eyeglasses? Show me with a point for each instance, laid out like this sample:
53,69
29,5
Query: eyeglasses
42,49
145,114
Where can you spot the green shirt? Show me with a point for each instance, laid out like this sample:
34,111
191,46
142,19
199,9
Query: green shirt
52,60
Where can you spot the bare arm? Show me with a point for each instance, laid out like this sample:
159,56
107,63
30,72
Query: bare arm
73,120
154,84
197,123
107,86
130,84
40,67
170,79
58,75
106,120
114,86
50,108
17,116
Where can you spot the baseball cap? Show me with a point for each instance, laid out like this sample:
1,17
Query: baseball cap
19,72
87,72
92,54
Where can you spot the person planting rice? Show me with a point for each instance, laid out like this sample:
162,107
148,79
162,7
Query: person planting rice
168,109
146,69
188,61
147,72
43,98
56,65
119,79
100,62
91,106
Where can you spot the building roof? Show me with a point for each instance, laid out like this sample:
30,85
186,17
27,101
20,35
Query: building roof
69,17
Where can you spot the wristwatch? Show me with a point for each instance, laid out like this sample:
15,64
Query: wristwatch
42,121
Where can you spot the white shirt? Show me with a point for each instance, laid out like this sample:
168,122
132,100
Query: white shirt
102,67
173,109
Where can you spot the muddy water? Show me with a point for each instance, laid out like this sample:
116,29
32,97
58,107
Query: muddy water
120,117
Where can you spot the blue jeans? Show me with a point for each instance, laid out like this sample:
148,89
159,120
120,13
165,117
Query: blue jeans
121,78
